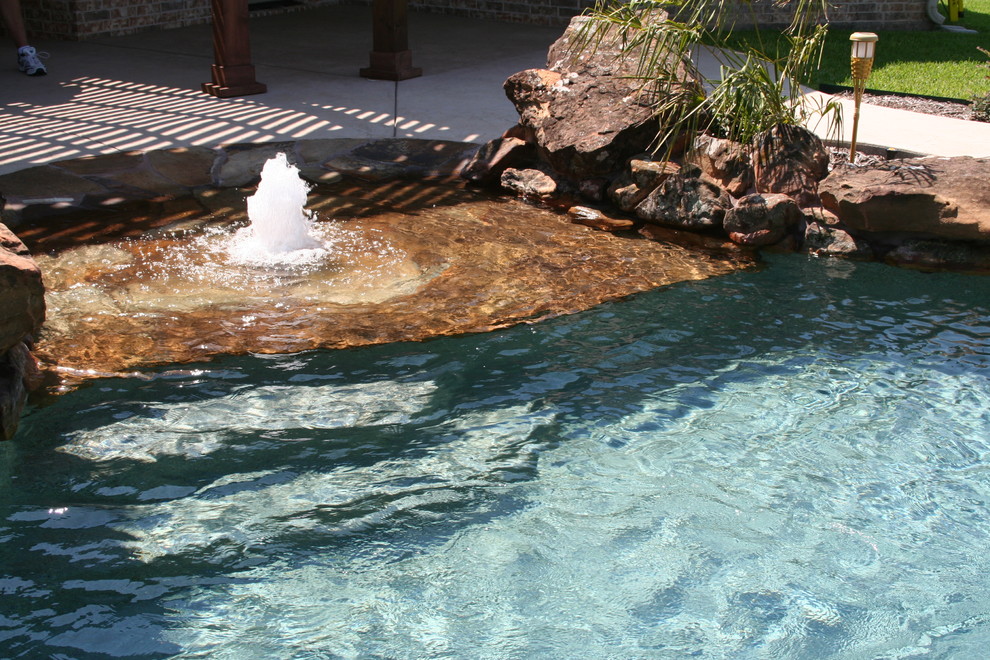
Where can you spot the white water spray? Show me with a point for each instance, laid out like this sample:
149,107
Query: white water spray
280,224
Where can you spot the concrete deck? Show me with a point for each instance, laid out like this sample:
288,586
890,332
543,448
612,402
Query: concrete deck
119,94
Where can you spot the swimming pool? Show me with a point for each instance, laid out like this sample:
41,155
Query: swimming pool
782,463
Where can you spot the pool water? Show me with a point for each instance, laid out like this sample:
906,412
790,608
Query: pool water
783,463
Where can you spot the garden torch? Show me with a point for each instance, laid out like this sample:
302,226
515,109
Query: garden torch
863,48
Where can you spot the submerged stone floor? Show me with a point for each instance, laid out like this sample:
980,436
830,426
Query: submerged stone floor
129,248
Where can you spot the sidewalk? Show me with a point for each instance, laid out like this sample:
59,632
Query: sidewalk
141,92
909,131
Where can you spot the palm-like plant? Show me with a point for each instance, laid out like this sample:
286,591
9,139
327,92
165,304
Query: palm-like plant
756,89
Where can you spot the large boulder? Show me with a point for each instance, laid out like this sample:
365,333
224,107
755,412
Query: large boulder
22,311
687,200
790,160
22,294
589,110
497,156
724,161
945,198
19,374
759,220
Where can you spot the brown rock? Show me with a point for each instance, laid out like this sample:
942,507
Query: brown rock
19,374
941,255
647,173
593,189
724,161
824,240
821,215
494,157
528,183
11,243
759,220
13,395
929,197
790,160
584,215
22,294
625,194
690,239
588,111
532,92
686,200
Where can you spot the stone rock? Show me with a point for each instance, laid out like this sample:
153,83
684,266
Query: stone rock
187,166
588,112
22,294
821,215
529,182
386,159
494,157
240,165
319,176
686,200
103,166
929,197
939,255
759,220
641,178
689,238
18,368
584,215
790,160
625,194
824,240
45,187
593,189
724,161
321,149
647,173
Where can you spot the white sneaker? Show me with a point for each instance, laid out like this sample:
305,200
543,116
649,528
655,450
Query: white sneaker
29,61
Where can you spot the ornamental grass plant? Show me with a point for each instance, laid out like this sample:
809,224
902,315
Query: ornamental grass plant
759,87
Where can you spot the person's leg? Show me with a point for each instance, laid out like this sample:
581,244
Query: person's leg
10,12
28,59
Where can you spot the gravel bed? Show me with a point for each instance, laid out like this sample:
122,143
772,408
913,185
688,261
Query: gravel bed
955,109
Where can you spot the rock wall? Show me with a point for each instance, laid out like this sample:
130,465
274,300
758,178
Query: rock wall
584,137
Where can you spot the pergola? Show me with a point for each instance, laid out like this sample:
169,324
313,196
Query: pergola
233,72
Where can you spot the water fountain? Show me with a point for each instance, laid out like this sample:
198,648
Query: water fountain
354,270
280,224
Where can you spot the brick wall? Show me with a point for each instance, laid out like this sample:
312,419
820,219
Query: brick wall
851,14
82,19
539,12
858,14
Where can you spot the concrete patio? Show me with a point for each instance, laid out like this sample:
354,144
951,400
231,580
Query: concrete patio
142,92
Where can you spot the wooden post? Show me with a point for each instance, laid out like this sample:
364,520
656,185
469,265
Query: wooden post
391,58
233,73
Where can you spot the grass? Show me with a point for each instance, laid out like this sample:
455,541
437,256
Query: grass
929,63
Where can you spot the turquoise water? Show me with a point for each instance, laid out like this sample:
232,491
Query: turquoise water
789,463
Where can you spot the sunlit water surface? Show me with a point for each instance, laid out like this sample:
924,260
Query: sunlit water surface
790,463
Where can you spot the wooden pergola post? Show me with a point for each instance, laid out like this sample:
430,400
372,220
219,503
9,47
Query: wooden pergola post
233,73
391,58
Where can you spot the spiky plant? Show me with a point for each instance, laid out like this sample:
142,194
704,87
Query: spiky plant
756,89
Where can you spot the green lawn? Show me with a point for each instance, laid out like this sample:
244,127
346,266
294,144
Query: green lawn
933,63
930,63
